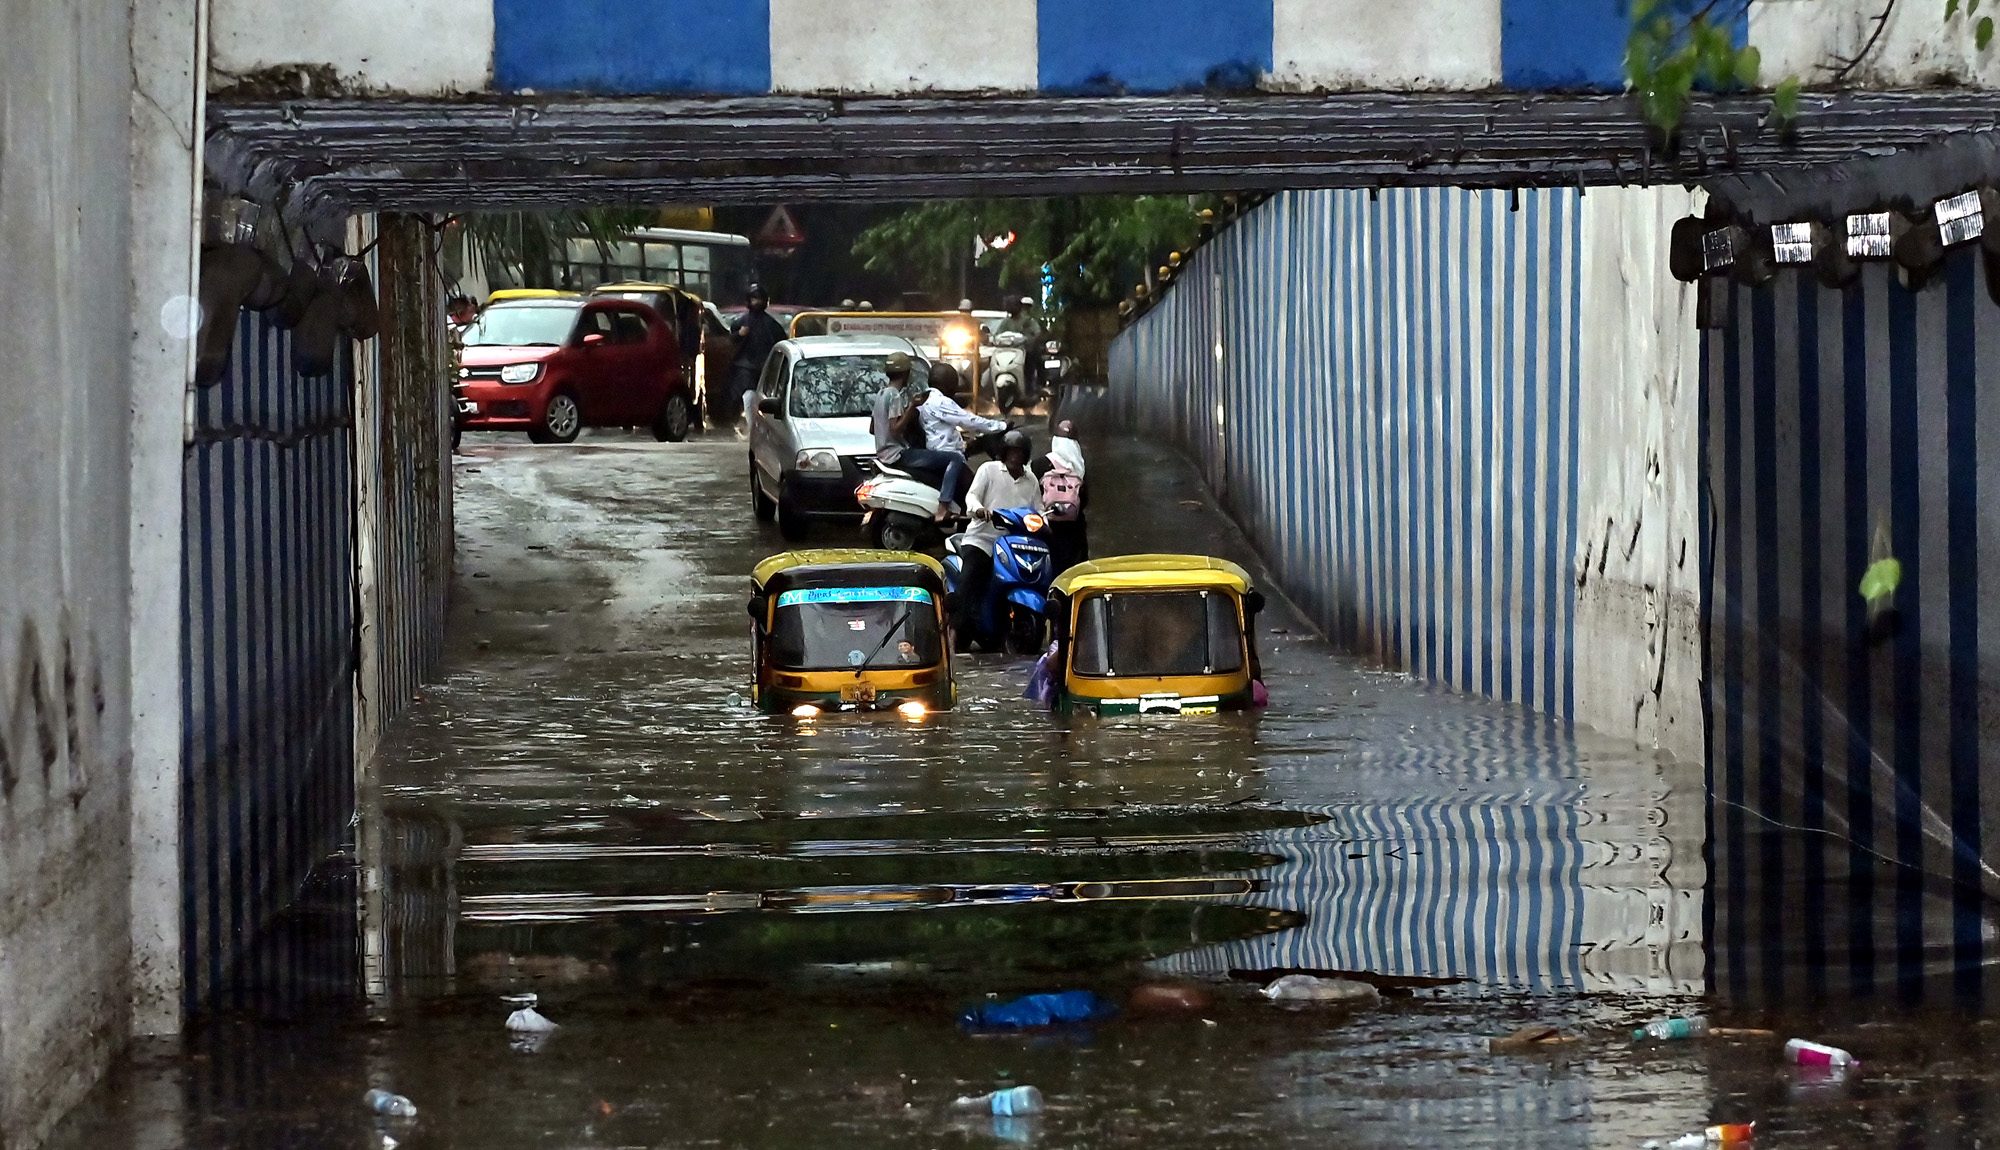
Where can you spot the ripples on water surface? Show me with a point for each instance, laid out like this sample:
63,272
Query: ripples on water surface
757,932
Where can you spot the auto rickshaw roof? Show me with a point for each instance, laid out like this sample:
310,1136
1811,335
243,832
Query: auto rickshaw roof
1153,573
644,286
515,295
848,567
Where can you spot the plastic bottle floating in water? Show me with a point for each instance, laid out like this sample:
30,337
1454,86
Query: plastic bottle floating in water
1671,1028
389,1105
1805,1053
1021,1100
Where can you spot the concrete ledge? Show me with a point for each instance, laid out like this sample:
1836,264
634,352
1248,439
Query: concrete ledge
436,155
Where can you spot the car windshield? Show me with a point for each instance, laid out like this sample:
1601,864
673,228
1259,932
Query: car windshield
1154,633
835,386
855,628
522,325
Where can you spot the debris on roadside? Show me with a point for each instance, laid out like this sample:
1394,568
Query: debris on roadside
1535,1036
1670,1029
1727,1134
528,1030
1804,1053
1310,988
389,1105
1010,1103
1037,1010
1169,998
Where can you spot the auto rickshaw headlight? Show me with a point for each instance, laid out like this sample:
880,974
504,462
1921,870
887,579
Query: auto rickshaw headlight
818,459
957,340
913,710
805,711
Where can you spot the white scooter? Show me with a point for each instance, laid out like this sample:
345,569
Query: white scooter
899,510
1007,373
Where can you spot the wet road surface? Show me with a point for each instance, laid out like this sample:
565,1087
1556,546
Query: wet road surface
756,932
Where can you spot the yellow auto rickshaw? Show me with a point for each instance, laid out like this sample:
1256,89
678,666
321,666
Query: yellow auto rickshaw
850,630
505,294
1155,635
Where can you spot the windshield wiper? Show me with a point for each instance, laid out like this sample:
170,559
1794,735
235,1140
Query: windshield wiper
900,620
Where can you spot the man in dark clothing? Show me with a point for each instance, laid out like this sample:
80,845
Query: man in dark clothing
756,334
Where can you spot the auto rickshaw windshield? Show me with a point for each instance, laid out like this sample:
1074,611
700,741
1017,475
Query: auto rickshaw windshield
855,628
1158,633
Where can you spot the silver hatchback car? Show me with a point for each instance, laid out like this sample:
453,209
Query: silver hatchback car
811,442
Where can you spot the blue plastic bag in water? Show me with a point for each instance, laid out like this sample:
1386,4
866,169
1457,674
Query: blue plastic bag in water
1042,683
1069,1006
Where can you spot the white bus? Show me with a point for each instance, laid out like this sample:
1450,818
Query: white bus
713,265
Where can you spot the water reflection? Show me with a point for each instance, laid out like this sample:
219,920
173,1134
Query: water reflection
757,935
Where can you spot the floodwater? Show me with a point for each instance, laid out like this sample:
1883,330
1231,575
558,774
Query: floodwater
757,932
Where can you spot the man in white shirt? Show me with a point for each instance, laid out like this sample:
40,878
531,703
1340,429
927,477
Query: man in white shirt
998,485
943,422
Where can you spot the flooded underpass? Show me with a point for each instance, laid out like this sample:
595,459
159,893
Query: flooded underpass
760,931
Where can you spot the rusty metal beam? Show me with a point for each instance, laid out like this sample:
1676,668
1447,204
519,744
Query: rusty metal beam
426,155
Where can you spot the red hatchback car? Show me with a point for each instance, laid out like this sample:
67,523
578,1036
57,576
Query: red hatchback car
552,367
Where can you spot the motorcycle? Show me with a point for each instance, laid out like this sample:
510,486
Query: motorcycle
899,509
1017,596
1056,367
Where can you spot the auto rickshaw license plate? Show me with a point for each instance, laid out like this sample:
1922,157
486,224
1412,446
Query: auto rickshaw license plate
857,693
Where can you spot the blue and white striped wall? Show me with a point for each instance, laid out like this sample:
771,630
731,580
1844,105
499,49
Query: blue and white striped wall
1436,872
1839,428
887,47
1384,391
267,647
302,493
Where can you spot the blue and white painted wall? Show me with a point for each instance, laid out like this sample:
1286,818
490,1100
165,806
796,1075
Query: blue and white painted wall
1413,401
1839,428
316,563
1403,399
267,775
882,47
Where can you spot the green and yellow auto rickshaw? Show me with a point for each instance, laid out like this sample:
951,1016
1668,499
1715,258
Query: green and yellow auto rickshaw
850,631
1155,635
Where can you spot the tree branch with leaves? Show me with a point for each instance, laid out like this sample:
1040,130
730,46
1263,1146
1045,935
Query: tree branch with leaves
1678,47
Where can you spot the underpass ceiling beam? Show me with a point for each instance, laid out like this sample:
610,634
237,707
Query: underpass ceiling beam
428,155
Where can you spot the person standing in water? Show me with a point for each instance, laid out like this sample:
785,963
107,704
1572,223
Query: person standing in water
1065,495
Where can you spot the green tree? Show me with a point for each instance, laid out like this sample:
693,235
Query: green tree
1096,246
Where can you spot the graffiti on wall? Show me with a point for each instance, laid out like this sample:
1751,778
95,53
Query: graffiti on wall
50,710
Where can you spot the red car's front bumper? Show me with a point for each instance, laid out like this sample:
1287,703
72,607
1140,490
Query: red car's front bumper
499,407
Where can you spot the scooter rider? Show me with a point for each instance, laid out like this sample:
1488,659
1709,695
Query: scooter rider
1020,319
893,412
999,484
943,421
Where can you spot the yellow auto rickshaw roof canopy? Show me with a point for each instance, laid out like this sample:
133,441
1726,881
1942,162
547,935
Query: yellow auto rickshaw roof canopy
1153,572
504,295
840,557
644,285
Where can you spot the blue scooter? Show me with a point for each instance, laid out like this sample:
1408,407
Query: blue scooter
1018,593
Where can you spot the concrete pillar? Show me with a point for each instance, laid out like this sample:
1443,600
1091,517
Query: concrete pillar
169,50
